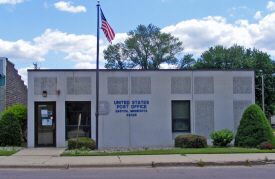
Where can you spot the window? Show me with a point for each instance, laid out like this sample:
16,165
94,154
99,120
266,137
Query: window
181,116
73,111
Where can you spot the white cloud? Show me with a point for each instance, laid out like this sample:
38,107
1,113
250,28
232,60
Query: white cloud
78,56
10,1
120,37
87,66
23,72
80,48
68,43
258,15
89,55
197,35
21,51
242,23
271,6
66,6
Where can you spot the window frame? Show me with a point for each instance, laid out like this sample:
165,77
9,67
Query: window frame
66,125
183,119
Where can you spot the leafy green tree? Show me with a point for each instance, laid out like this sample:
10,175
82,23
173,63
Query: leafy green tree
145,48
20,111
114,56
219,57
187,62
254,128
237,57
10,130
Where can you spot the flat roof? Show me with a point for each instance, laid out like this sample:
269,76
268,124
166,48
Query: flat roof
39,70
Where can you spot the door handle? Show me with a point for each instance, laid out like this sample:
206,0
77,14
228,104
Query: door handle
53,125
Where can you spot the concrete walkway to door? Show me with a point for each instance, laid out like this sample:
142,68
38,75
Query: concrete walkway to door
55,152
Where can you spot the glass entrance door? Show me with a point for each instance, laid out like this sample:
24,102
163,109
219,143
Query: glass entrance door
45,124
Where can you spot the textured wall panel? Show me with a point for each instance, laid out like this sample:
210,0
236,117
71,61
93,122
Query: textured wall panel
242,85
79,85
117,85
180,85
204,85
204,117
238,109
140,85
48,84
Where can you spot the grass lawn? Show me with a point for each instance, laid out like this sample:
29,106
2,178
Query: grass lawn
209,150
7,153
273,129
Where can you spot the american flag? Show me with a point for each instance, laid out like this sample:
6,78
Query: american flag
108,31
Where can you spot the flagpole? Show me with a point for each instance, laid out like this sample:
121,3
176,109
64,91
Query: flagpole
97,75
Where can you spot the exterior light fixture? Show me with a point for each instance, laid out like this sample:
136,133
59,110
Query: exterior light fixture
44,93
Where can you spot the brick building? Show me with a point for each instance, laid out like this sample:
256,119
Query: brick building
12,87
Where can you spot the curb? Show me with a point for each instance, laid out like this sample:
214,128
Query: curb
121,165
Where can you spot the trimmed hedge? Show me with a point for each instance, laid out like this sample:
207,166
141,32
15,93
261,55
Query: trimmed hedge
254,128
222,137
82,142
10,130
190,141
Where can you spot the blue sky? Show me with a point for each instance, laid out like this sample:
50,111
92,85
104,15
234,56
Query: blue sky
62,34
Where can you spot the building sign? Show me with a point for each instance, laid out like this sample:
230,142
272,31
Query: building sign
131,108
103,107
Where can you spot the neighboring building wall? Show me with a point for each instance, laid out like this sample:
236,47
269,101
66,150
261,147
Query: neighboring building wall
217,101
2,99
16,91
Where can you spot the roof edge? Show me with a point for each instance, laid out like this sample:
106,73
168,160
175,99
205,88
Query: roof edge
39,70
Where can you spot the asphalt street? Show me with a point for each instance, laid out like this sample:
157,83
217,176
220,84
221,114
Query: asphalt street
236,172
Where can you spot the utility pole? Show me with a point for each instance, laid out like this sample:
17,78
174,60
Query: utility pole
263,89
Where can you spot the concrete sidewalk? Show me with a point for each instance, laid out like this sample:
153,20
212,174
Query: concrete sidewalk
49,158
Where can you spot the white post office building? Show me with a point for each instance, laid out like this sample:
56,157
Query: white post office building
137,108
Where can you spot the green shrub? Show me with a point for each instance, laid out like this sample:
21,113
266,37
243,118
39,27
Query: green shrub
266,145
222,137
83,142
20,111
10,130
254,128
190,141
